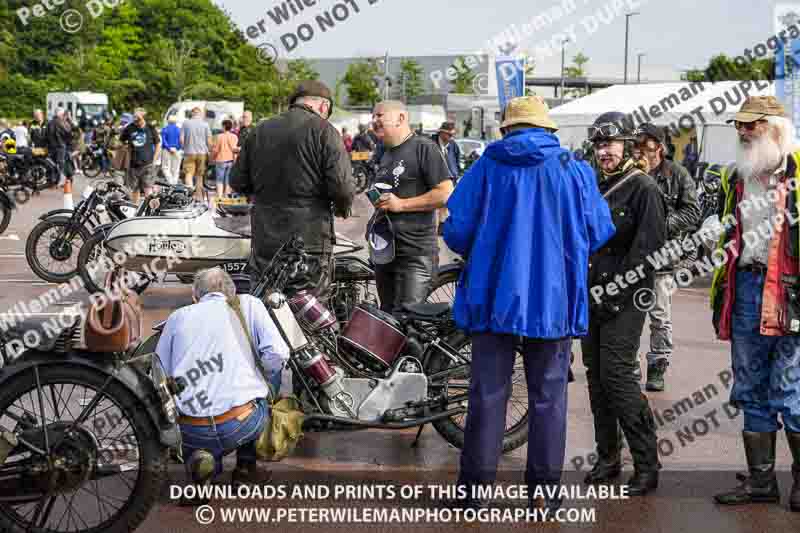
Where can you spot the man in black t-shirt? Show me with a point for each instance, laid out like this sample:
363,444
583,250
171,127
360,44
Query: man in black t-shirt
145,145
413,168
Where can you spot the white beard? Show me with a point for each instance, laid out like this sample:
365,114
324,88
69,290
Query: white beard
762,155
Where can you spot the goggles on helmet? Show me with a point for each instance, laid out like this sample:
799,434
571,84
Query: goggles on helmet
605,131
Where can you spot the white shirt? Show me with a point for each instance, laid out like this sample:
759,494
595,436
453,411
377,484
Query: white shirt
199,344
21,133
758,214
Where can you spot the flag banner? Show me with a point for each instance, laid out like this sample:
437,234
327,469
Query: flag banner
510,79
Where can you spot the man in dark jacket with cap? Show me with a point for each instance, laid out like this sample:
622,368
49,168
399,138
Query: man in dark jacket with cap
445,141
683,214
296,167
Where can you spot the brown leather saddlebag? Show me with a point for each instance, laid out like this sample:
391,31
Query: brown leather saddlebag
114,323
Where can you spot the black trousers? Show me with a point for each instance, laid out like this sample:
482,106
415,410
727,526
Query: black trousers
405,280
610,356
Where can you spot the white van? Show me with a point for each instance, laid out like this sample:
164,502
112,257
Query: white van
79,104
213,112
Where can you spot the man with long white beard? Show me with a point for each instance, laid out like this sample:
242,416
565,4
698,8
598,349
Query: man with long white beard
755,294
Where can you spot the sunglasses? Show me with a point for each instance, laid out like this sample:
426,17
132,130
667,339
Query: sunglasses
748,126
604,131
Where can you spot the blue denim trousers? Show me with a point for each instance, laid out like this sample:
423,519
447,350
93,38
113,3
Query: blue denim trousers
223,172
766,370
222,439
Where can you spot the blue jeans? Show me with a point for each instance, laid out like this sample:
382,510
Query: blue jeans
223,439
766,370
546,371
223,172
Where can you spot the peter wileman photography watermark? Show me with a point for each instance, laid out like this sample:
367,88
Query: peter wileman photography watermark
71,20
644,299
158,267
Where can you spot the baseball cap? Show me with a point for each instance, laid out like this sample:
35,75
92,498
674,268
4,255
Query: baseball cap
380,238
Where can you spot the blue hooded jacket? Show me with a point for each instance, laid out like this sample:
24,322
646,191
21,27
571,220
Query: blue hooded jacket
526,217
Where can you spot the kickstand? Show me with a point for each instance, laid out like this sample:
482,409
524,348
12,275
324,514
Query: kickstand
416,439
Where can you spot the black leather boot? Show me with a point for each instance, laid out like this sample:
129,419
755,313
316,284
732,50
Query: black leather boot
642,482
761,486
604,471
609,449
794,445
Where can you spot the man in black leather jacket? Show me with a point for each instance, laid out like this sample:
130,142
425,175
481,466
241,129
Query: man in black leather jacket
296,167
620,277
683,215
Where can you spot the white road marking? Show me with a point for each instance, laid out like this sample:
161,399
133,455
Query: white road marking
12,237
11,256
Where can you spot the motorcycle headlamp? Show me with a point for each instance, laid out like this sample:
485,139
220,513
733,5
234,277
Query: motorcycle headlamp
155,203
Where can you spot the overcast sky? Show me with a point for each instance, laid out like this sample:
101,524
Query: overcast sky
675,34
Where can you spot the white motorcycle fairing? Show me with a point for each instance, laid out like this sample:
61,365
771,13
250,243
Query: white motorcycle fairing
178,241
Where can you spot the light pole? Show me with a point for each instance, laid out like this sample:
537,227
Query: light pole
639,69
386,77
627,27
563,43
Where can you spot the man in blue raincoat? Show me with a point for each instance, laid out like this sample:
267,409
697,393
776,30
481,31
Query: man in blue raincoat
526,217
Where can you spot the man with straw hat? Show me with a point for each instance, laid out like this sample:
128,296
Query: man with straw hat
526,216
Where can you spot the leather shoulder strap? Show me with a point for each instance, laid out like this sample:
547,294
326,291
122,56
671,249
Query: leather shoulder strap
622,182
236,307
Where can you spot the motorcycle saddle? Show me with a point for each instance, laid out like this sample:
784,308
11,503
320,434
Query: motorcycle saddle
427,311
42,333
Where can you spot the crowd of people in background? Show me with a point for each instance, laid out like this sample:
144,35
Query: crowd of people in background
187,150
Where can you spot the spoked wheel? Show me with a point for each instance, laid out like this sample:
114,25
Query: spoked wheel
94,264
37,177
52,249
5,217
90,165
457,384
87,459
444,287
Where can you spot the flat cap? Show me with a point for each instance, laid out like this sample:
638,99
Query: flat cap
311,88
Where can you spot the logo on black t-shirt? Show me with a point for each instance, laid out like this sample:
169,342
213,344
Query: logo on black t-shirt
398,171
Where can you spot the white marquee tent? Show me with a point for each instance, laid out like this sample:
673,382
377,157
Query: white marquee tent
719,102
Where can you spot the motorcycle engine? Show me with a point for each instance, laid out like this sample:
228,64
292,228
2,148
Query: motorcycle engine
371,400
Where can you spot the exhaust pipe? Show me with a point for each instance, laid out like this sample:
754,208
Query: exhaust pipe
362,424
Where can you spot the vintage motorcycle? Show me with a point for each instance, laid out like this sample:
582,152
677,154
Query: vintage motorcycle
364,169
60,234
203,239
707,196
85,437
92,159
7,205
27,168
377,370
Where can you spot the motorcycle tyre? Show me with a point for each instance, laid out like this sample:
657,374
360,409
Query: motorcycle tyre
37,177
442,279
83,258
30,249
5,219
154,457
90,166
447,428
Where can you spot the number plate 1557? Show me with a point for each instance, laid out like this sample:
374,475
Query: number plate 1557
233,267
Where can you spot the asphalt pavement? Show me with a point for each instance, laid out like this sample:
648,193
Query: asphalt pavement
699,436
